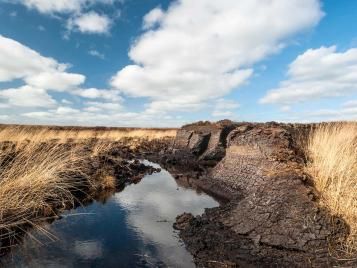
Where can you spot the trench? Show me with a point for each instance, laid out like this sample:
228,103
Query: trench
131,228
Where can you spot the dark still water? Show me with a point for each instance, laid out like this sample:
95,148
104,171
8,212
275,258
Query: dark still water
132,228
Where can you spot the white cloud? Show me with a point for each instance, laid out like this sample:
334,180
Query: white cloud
65,101
90,22
153,18
94,93
20,62
347,111
90,116
103,106
173,104
61,113
97,114
202,49
75,13
41,75
344,113
39,115
54,6
4,106
27,96
315,74
62,6
54,80
225,108
62,110
96,53
285,108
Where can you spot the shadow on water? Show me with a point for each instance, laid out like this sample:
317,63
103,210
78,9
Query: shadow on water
132,228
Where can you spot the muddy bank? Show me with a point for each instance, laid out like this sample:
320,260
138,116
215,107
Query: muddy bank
270,217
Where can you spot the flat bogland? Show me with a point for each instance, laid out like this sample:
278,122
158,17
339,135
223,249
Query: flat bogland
18,133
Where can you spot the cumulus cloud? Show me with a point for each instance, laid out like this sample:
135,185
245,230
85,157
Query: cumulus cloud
61,112
75,12
90,22
202,50
347,111
337,114
55,80
153,18
57,6
173,104
109,107
94,114
62,6
20,62
27,96
317,73
94,93
41,75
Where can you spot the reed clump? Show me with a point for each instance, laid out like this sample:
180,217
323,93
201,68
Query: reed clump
37,182
332,150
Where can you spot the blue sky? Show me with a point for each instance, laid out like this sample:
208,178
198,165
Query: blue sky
165,63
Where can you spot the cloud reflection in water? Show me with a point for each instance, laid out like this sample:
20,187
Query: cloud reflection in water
153,205
132,228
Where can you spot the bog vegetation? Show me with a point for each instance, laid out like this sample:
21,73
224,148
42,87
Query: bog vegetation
332,149
41,168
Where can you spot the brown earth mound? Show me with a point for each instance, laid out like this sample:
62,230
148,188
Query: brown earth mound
270,217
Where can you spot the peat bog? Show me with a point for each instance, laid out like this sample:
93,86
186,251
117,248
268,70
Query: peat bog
109,205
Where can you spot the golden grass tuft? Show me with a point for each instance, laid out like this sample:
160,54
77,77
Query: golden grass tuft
108,182
332,150
36,182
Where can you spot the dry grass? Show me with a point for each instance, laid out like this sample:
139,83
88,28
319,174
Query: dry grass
332,149
37,181
42,134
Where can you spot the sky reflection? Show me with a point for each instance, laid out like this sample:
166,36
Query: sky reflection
132,229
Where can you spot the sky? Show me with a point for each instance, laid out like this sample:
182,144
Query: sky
162,63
